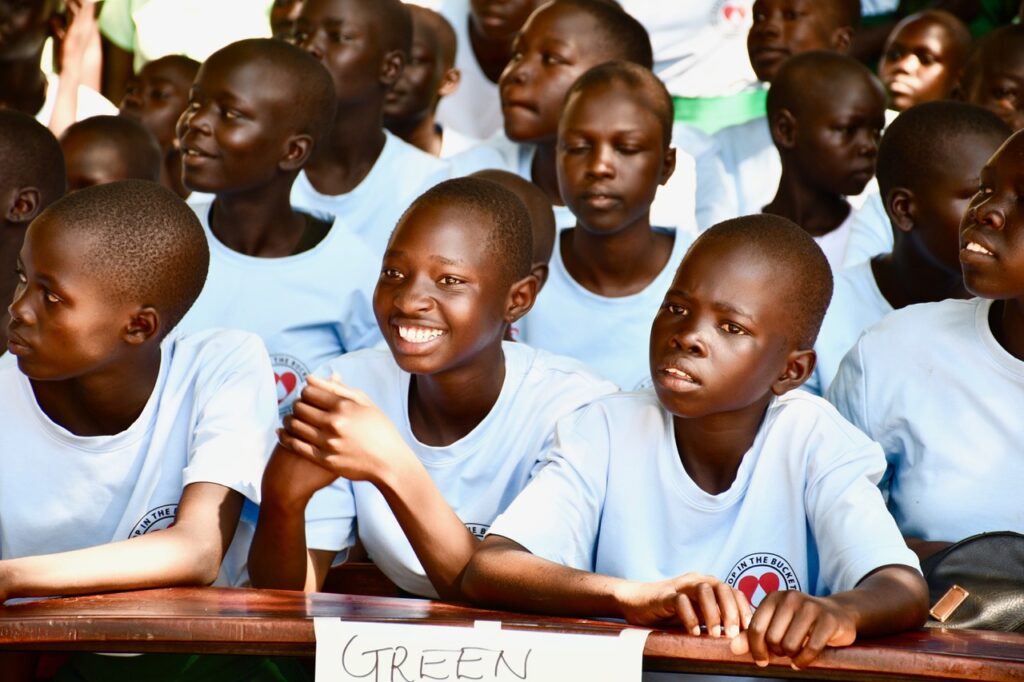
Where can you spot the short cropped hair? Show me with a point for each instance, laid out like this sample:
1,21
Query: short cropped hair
508,237
135,145
144,243
309,90
917,140
993,46
626,36
804,281
648,90
845,12
803,75
538,206
395,23
447,42
31,157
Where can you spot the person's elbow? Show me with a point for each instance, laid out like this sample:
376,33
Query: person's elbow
484,572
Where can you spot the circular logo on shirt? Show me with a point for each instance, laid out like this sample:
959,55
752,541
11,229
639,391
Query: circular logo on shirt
288,376
478,529
157,518
758,575
730,16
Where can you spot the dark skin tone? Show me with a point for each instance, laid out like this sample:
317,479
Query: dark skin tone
235,145
22,83
493,25
24,205
347,37
611,161
783,28
921,62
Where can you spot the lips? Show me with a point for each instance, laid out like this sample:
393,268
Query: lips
17,345
411,336
599,199
676,376
974,246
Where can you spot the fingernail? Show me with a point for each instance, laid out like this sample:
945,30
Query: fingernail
761,664
793,666
732,631
717,631
695,631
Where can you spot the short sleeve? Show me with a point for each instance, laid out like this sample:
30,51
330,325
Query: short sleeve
557,515
331,517
117,24
236,413
358,328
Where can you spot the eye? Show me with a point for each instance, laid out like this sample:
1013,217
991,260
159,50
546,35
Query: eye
676,309
550,59
450,281
21,276
732,328
627,150
390,273
51,297
926,58
790,15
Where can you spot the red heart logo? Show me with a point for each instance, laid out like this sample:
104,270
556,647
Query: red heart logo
287,380
734,13
769,582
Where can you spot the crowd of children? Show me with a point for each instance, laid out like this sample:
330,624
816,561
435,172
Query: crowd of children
456,291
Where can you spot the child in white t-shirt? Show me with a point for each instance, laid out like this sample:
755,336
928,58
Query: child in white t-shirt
115,428
826,113
427,442
928,166
938,385
362,175
302,284
608,274
724,470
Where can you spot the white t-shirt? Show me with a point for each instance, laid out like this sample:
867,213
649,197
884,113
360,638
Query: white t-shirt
714,199
674,204
307,308
944,399
474,109
210,419
90,102
400,175
453,142
870,231
611,335
752,162
478,475
803,513
834,243
857,304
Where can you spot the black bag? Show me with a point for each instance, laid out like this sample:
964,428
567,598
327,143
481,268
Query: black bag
990,566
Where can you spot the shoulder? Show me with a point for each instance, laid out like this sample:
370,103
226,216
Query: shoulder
412,160
805,418
217,349
542,369
931,319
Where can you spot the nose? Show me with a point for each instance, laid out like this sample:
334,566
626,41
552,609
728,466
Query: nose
19,310
600,163
312,42
410,296
195,117
989,212
517,71
688,339
908,63
767,25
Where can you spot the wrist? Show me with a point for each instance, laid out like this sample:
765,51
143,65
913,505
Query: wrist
8,580
398,472
284,499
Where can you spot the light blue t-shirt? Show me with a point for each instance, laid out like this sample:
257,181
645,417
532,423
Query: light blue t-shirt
611,335
870,232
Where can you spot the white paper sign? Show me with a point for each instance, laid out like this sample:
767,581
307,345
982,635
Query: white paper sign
385,652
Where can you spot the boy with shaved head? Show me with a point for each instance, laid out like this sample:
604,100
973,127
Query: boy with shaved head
103,149
363,175
994,75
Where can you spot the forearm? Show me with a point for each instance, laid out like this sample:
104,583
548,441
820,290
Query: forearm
502,574
278,556
890,600
440,539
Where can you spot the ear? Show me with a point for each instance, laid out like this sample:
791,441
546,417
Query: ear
841,39
799,366
901,207
391,67
783,129
668,166
449,83
144,325
540,271
24,207
296,153
521,297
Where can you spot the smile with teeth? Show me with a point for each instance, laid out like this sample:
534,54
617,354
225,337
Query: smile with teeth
977,248
679,374
419,334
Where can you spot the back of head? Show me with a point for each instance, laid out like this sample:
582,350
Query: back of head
145,243
843,12
428,20
647,89
625,37
926,137
538,205
507,235
810,75
804,277
128,140
395,21
31,157
301,82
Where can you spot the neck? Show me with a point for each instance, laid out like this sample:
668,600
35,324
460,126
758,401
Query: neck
170,173
420,133
816,211
22,85
352,148
544,171
1007,323
491,55
617,264
445,407
258,222
906,276
711,448
104,403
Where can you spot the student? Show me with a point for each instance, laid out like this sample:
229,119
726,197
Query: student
609,272
363,175
826,113
132,429
938,385
560,42
430,75
103,149
23,85
33,177
484,31
283,14
415,452
781,29
256,113
156,97
724,469
929,161
994,75
923,58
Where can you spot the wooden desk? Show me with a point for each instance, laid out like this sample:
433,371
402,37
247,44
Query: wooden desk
210,620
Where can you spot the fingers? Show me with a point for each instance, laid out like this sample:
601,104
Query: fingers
756,631
335,387
686,614
708,603
729,608
815,644
744,606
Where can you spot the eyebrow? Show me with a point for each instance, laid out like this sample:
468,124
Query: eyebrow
719,306
392,253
